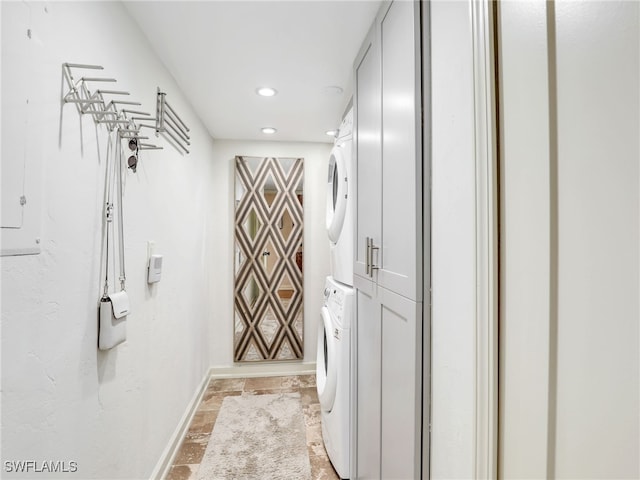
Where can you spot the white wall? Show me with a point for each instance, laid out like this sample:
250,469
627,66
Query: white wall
598,360
524,359
570,325
452,242
316,245
111,412
570,296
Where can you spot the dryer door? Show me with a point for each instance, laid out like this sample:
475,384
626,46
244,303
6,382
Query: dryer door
336,193
326,368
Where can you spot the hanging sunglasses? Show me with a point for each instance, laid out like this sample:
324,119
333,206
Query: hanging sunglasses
132,161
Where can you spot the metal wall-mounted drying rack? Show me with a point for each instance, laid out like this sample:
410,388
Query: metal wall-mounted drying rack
127,122
106,112
169,124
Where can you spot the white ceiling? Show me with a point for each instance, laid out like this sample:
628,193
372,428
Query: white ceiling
219,52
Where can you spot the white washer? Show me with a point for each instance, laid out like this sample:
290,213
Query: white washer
340,208
334,373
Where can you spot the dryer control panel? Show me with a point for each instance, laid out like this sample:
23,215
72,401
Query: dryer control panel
346,127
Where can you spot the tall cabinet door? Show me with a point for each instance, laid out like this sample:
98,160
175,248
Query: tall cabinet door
389,384
401,386
388,152
369,355
399,258
367,106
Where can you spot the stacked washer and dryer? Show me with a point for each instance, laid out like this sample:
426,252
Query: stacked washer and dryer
335,360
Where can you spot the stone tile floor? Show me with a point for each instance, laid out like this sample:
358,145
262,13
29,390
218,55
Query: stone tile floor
187,461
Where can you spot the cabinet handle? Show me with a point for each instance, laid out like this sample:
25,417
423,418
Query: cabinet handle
368,256
372,267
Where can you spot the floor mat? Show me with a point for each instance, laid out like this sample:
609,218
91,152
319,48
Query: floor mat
258,437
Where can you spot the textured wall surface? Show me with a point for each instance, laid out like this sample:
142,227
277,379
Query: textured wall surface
111,412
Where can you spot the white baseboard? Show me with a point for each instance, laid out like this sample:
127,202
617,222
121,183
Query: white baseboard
236,371
169,454
247,370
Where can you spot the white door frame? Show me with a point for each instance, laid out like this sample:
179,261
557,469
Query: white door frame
460,440
486,304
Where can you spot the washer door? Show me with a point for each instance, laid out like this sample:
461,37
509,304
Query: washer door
336,193
326,368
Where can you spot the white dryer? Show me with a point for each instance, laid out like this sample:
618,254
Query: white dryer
334,374
340,196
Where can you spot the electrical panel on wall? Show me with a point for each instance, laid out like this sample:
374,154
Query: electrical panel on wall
22,134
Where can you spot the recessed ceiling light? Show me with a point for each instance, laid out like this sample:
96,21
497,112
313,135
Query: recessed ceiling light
331,133
269,130
333,90
266,91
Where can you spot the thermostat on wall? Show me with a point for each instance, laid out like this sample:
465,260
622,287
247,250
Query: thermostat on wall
155,268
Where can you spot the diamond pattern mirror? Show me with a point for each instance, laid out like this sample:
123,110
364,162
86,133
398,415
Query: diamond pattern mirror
268,259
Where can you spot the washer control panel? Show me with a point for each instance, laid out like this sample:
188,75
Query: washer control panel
336,298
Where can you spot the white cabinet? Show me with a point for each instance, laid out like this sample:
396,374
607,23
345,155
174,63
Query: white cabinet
369,381
388,150
388,265
367,141
401,386
389,384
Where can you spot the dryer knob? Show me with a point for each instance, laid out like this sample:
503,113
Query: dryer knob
326,292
